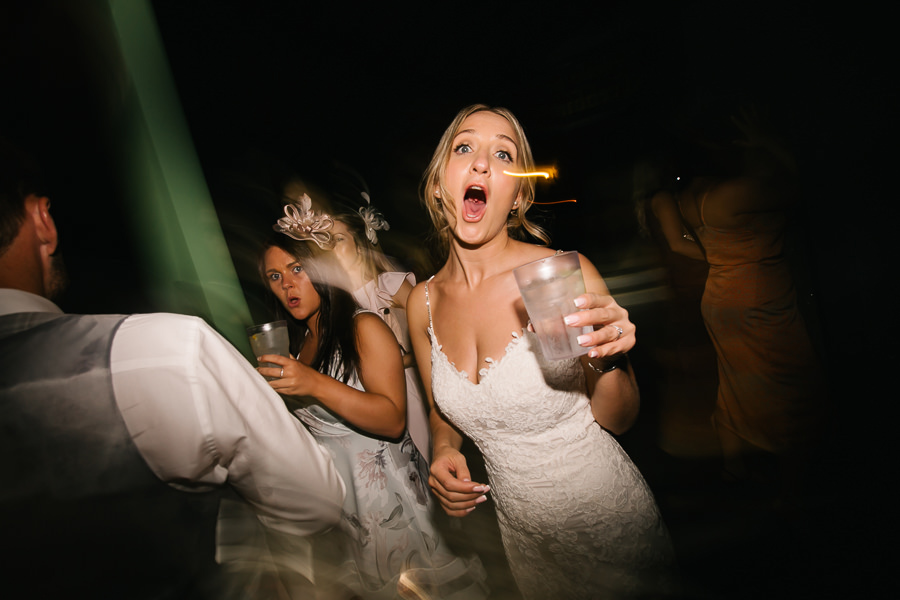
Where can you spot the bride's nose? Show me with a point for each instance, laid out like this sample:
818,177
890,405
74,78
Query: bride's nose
481,163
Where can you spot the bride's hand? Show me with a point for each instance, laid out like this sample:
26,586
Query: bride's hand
613,333
450,482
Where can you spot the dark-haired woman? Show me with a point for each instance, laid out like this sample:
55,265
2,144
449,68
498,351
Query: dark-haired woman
347,379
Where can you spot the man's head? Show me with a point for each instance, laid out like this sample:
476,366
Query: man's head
28,237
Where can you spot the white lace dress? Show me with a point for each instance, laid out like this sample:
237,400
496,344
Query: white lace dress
576,517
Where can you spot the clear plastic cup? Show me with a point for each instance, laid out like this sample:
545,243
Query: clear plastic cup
269,338
549,287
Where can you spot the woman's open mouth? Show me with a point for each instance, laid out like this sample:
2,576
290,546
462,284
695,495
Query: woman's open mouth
474,203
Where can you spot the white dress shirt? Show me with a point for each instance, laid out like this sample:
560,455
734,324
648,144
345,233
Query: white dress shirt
201,416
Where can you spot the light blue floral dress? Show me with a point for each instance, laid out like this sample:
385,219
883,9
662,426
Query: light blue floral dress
386,527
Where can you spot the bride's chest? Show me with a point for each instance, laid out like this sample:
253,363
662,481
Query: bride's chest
518,390
476,329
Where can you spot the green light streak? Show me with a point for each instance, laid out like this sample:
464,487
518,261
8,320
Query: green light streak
185,254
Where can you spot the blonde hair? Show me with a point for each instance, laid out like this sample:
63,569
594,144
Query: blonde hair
374,261
433,179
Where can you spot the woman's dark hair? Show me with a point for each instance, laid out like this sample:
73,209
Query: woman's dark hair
337,354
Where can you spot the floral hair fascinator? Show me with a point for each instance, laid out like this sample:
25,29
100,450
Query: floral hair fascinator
374,220
302,223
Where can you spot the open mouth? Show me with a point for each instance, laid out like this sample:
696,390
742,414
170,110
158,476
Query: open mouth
293,302
474,203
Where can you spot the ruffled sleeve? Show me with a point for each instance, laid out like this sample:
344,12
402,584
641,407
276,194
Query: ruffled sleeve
390,282
379,296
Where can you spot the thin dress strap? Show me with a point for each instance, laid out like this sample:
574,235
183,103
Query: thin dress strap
428,305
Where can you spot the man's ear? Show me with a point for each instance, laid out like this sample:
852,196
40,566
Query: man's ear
44,226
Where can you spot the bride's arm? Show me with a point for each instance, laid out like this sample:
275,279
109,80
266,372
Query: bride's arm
615,398
450,477
611,385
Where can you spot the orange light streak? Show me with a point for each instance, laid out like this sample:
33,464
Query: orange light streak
549,173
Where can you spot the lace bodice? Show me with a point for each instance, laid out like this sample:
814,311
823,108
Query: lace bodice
577,518
510,405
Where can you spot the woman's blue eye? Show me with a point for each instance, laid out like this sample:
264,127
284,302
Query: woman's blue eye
504,155
274,276
297,270
462,149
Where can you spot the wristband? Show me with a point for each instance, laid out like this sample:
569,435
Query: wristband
619,363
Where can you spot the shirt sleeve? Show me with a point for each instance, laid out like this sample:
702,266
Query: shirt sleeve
201,416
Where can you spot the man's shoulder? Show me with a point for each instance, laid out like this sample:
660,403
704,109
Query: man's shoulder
170,337
46,322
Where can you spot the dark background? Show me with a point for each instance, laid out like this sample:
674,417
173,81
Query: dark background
271,89
340,94
277,87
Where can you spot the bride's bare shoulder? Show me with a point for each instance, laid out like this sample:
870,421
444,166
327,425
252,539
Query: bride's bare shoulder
526,252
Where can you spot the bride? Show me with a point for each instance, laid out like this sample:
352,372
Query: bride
576,517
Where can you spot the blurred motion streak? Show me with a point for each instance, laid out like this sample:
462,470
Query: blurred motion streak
185,254
547,174
645,286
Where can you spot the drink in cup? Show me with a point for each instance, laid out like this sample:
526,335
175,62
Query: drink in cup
549,287
269,338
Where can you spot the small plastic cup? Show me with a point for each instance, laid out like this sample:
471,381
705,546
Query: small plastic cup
269,338
549,287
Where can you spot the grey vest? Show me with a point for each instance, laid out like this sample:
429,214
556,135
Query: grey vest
81,513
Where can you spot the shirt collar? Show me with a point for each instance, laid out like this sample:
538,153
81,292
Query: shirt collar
18,301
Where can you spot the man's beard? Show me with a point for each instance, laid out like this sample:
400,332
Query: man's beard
59,277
